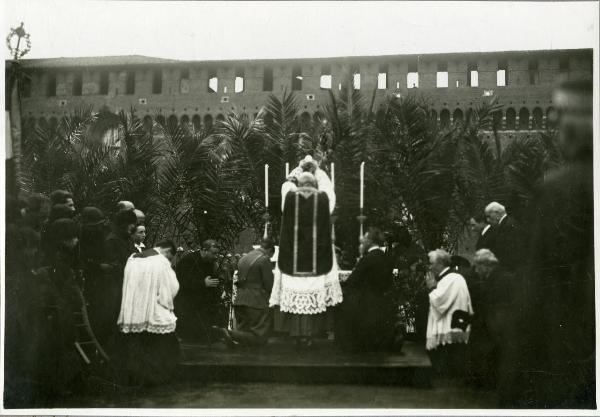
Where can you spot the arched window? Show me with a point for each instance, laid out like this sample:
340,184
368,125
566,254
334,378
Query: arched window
29,122
196,122
538,119
268,119
318,117
524,119
457,116
444,118
433,116
511,119
53,123
497,120
185,121
208,122
147,121
172,122
43,123
469,115
220,117
160,119
305,120
551,117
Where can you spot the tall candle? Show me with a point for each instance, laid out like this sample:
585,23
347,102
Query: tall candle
266,185
333,175
362,185
287,169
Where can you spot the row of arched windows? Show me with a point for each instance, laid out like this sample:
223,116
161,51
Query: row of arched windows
507,119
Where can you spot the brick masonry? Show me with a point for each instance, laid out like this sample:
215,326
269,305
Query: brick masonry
185,95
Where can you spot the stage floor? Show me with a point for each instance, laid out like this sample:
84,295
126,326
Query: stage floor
281,361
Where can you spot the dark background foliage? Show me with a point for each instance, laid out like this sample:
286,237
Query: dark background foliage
204,182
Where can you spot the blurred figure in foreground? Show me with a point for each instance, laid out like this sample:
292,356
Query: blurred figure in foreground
561,295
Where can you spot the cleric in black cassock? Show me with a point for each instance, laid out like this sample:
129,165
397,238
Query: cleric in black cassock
198,304
306,281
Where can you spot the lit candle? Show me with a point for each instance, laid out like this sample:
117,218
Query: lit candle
333,175
362,185
287,169
266,185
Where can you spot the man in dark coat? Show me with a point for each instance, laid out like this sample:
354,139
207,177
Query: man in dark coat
252,313
561,323
118,247
506,241
365,319
198,303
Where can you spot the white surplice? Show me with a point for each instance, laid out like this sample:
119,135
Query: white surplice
149,288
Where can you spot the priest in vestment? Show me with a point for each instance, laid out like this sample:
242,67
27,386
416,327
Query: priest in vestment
306,275
149,347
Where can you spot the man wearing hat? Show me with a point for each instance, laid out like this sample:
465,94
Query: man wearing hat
92,263
52,321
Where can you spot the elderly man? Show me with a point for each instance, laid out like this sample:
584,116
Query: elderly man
147,321
125,205
494,323
306,279
251,305
450,310
506,240
365,320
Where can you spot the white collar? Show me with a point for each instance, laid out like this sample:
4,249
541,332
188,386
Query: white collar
485,229
373,248
501,218
442,273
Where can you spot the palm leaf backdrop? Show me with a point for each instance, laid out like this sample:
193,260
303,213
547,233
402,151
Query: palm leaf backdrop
196,183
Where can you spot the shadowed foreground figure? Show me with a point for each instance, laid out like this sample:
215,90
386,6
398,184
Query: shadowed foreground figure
560,357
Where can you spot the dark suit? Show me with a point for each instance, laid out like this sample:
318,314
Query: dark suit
561,323
251,304
365,319
117,249
506,242
485,240
197,306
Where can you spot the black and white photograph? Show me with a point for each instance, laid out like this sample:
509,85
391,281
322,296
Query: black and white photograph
296,207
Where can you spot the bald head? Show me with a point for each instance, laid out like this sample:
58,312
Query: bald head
306,179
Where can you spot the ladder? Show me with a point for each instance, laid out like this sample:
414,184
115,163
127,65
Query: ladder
87,344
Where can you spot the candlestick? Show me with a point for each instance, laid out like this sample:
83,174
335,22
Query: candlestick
333,175
287,169
362,185
266,185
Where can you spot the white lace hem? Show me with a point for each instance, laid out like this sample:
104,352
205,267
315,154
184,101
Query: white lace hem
305,295
147,327
454,336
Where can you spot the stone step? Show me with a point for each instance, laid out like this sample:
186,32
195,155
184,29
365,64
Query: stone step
281,361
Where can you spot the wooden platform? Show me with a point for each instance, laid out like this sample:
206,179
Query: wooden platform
282,361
